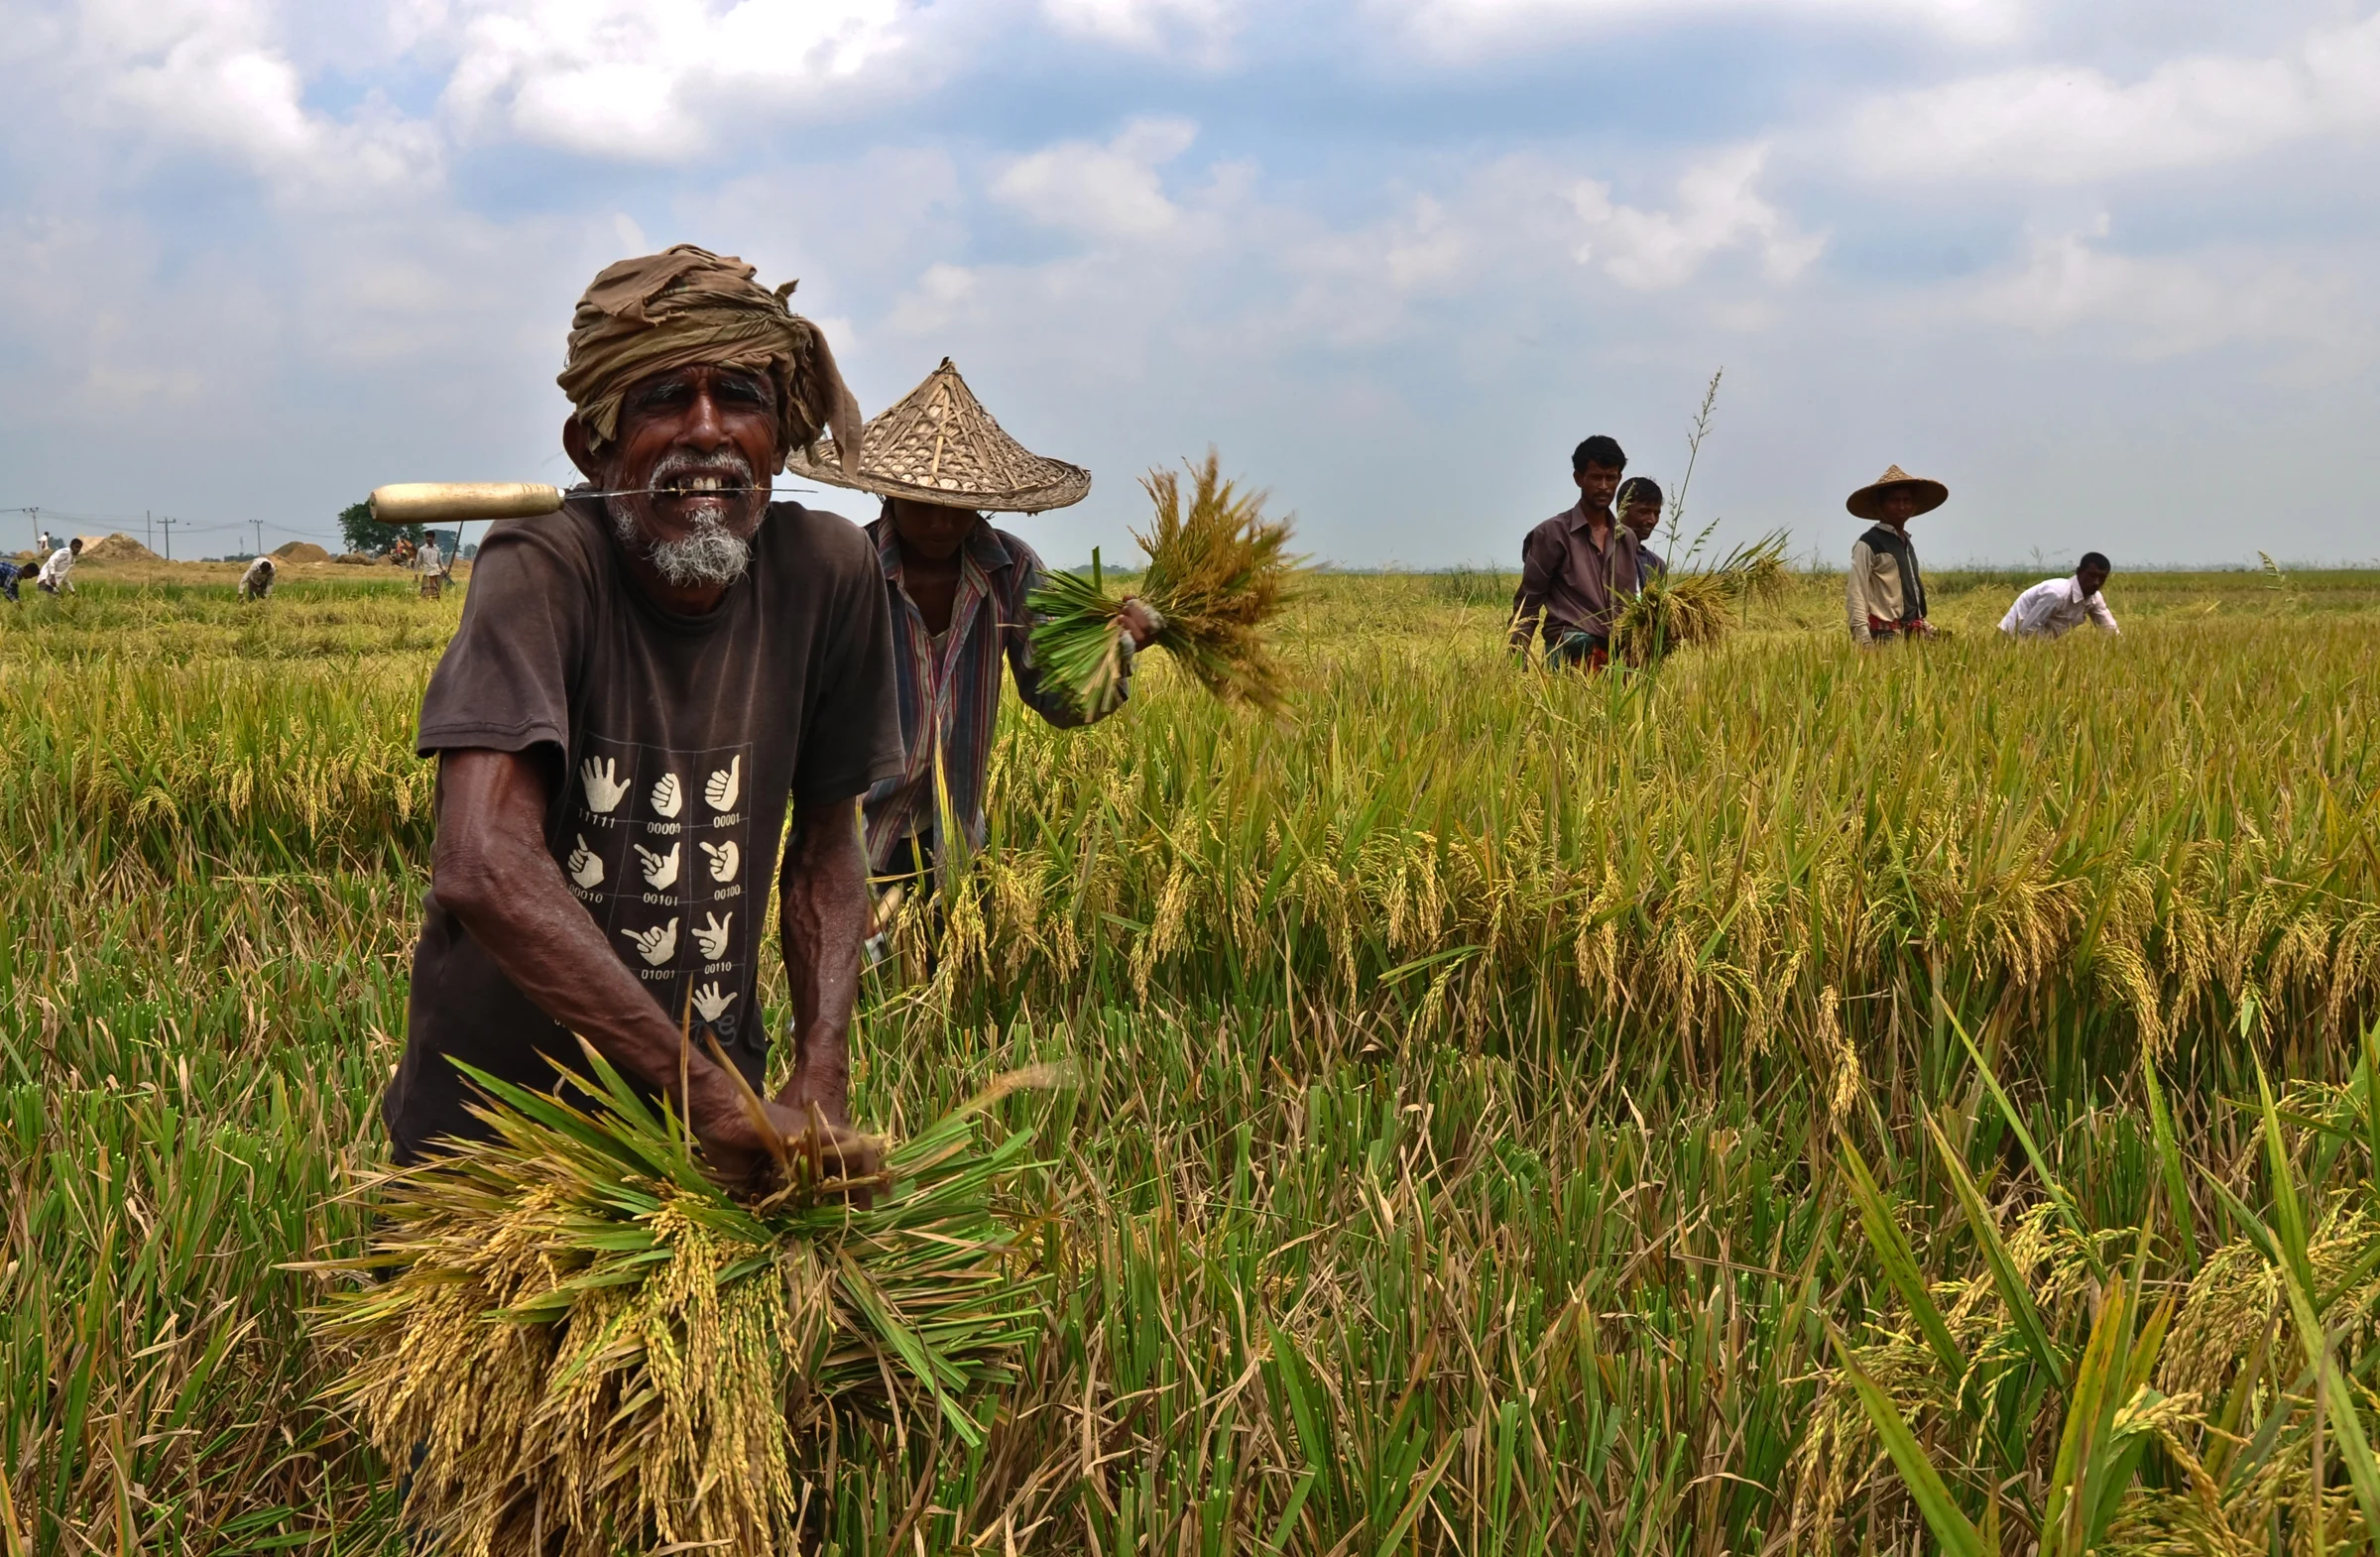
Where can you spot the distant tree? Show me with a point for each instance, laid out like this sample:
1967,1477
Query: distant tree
362,533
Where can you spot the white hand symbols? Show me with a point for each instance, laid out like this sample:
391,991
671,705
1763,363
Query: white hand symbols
668,797
660,870
726,783
584,868
656,945
724,859
711,935
709,1002
597,776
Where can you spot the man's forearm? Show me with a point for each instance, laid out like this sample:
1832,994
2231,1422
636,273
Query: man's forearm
822,893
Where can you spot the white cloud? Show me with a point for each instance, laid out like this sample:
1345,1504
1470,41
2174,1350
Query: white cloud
1110,192
1458,30
1200,28
650,79
2070,286
2060,124
211,76
1716,210
940,296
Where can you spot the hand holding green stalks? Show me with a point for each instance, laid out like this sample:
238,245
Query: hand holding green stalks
1218,571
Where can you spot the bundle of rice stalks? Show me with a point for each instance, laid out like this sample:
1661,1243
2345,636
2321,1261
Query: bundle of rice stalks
1691,609
585,1345
1218,571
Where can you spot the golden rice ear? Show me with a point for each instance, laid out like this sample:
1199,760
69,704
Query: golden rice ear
1047,1075
771,1137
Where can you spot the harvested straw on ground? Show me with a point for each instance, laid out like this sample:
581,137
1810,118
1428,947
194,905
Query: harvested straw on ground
1218,572
1690,609
585,1345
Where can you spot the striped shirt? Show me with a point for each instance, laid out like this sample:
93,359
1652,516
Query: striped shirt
949,690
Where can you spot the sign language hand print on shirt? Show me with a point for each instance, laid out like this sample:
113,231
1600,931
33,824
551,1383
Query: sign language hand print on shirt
726,783
660,870
725,857
711,935
656,945
709,1002
597,776
585,869
668,797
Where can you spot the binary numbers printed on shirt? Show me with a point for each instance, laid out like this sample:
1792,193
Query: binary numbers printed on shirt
673,913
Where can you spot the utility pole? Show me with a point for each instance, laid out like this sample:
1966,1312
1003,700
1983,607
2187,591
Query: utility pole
35,512
168,521
260,536
148,529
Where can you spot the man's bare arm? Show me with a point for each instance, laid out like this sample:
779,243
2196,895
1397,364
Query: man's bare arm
491,870
1528,602
822,895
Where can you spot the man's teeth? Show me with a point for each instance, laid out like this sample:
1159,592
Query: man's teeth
700,484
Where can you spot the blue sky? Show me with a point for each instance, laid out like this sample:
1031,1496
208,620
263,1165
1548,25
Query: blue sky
2107,270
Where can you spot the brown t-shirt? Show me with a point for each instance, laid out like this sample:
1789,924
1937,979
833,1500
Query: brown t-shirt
674,744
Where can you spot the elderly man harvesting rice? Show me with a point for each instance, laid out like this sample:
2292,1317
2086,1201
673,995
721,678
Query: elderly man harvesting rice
641,685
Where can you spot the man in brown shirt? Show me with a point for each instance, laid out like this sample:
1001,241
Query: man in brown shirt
641,684
1576,566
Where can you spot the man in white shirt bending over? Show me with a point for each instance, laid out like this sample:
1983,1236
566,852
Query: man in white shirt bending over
2055,607
52,577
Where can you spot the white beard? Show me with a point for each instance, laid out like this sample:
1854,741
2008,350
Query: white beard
712,555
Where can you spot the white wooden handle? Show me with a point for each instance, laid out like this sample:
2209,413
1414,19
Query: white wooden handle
430,502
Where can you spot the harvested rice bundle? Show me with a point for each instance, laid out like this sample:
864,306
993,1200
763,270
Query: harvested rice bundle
1217,574
1687,610
591,1346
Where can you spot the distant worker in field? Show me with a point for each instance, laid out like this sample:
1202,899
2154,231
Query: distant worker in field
1576,566
1639,506
433,568
256,582
956,588
2055,607
641,687
1884,593
53,579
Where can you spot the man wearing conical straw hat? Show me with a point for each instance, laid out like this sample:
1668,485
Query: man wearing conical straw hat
642,686
957,587
1884,595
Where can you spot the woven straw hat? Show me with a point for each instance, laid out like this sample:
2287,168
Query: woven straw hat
938,445
1931,494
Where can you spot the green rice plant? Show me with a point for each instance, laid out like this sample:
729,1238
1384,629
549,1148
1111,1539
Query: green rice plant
1499,1046
1218,572
596,1343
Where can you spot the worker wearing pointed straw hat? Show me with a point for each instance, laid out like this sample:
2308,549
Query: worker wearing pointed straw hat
1884,595
958,588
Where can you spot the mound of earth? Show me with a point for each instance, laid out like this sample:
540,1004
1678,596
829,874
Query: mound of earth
301,552
118,547
355,559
